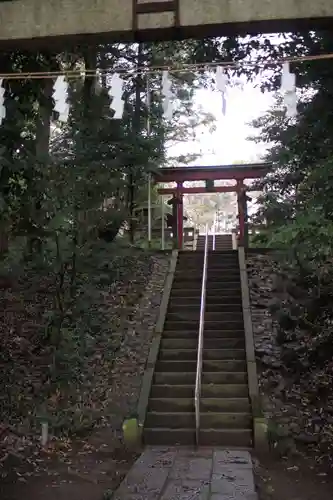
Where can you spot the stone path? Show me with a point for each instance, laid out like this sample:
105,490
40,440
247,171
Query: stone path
187,474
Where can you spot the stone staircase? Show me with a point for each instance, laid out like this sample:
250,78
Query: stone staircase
222,242
226,418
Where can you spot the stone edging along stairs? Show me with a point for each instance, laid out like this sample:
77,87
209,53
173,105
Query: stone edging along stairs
166,407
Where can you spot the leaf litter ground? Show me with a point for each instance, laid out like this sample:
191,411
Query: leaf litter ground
86,459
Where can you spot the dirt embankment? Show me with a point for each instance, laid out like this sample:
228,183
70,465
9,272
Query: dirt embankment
295,399
85,457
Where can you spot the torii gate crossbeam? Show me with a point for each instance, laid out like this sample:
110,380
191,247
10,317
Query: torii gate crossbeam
41,22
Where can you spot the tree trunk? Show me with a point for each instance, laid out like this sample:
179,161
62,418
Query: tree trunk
43,124
136,134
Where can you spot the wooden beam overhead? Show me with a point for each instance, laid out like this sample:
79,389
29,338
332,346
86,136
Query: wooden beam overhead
216,172
43,24
198,190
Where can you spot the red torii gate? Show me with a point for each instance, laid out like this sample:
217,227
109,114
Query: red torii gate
238,172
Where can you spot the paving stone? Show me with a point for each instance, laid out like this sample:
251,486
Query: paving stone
239,459
136,496
202,452
186,490
177,473
161,449
240,496
218,496
235,475
148,483
191,468
153,458
231,481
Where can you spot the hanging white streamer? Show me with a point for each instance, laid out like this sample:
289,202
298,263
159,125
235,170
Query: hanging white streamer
288,80
97,83
60,96
221,84
167,96
288,88
224,104
2,102
290,100
221,79
116,93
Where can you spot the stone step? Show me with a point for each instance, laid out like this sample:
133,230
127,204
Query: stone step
174,379
226,267
226,404
223,284
228,389
218,237
173,420
221,262
181,366
169,391
224,299
178,355
211,295
207,354
234,381
212,254
184,286
173,404
215,295
168,437
222,254
208,334
220,284
218,257
170,420
223,420
220,249
209,325
240,438
176,343
212,274
191,304
225,237
225,243
224,343
186,404
211,271
192,343
219,389
195,279
224,246
212,265
185,314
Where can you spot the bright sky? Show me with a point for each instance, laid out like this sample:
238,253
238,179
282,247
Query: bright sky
229,144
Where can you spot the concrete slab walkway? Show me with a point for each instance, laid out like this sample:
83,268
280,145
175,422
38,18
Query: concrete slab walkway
188,474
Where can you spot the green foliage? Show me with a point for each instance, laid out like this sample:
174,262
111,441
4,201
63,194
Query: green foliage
297,205
61,186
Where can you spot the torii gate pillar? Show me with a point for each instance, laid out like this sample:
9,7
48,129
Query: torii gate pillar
180,215
241,212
